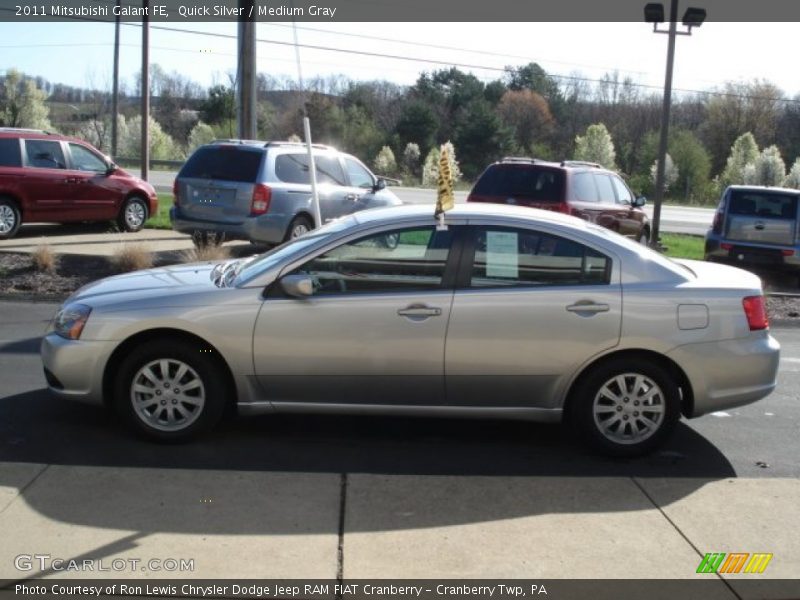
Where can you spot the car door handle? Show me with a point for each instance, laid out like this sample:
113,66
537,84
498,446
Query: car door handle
353,197
588,307
419,311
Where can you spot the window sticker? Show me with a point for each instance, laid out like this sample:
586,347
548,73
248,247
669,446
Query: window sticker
502,259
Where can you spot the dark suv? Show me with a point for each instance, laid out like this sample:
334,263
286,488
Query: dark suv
577,188
49,178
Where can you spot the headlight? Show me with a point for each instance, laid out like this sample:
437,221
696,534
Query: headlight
70,320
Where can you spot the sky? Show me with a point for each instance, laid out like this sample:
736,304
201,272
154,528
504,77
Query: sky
80,54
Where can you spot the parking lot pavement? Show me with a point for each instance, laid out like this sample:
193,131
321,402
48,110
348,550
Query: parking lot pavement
96,239
322,496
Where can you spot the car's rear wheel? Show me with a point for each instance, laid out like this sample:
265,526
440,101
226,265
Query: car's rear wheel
133,215
300,225
202,239
625,407
170,390
10,218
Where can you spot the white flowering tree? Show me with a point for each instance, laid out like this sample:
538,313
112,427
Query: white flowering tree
596,146
430,170
743,152
793,178
201,134
384,162
768,168
670,172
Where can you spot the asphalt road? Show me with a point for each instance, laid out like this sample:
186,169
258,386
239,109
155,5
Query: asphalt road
674,219
759,440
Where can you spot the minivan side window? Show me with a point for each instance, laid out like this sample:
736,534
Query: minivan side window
10,155
507,257
583,188
359,176
293,168
43,154
605,188
624,195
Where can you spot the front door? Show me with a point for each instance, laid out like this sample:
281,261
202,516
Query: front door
94,197
530,309
372,333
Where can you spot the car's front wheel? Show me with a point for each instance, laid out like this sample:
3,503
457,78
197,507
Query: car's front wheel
133,214
171,390
625,407
644,237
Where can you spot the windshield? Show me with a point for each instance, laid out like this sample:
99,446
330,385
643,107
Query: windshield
288,249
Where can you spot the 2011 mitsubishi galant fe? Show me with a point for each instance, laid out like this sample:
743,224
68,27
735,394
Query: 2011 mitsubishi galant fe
507,312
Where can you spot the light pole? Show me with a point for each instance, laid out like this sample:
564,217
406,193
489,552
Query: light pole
693,17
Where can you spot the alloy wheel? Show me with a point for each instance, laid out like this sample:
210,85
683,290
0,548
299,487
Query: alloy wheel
629,408
167,394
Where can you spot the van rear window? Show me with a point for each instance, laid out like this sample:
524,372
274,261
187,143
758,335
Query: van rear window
225,163
10,155
526,181
763,204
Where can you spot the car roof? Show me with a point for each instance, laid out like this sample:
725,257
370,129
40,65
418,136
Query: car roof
37,134
567,165
763,188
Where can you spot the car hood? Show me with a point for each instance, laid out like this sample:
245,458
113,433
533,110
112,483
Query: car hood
171,284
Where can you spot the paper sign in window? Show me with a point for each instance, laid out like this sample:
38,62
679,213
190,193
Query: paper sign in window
502,259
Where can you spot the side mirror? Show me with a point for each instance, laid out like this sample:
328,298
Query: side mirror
298,285
111,168
639,202
379,185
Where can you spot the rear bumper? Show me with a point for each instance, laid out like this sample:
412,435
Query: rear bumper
267,228
729,373
746,254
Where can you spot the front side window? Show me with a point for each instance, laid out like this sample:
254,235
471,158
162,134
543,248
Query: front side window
624,195
512,257
359,176
84,159
43,154
404,260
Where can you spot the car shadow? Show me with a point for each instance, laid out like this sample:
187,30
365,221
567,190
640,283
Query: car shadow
298,455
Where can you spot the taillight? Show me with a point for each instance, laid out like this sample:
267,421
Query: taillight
716,226
262,194
726,246
756,312
563,207
175,200
787,252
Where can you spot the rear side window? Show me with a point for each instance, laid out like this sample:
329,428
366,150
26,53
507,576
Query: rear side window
763,204
528,181
10,155
45,155
583,188
225,163
605,189
293,168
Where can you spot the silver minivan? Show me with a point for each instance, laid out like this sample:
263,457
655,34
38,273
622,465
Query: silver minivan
758,227
261,191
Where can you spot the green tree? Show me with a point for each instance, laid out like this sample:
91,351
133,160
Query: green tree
693,163
23,104
201,134
481,138
219,106
162,146
417,124
527,114
596,146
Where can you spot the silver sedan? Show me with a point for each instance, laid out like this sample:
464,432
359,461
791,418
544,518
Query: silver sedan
505,312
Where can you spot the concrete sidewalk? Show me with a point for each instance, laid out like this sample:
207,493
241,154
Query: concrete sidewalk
95,240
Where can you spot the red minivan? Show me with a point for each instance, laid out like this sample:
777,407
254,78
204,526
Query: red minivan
50,178
582,189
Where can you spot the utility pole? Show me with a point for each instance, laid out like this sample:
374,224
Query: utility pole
115,91
246,72
145,153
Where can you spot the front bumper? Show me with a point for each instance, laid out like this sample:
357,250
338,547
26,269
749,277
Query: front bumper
74,368
729,373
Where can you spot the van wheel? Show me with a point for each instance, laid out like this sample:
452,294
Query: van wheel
644,237
170,390
625,407
133,214
300,225
203,239
10,218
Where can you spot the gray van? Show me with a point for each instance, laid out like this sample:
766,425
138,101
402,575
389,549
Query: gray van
756,226
261,191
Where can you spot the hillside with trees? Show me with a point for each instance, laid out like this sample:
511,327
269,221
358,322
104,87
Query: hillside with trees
742,133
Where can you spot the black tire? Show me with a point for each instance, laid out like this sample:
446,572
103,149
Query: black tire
10,218
297,227
390,240
644,237
592,406
133,214
202,239
167,413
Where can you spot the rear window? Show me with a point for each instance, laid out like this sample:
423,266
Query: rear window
763,204
535,183
226,163
10,155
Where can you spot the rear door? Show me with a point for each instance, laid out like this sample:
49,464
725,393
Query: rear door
758,216
216,183
530,308
292,169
